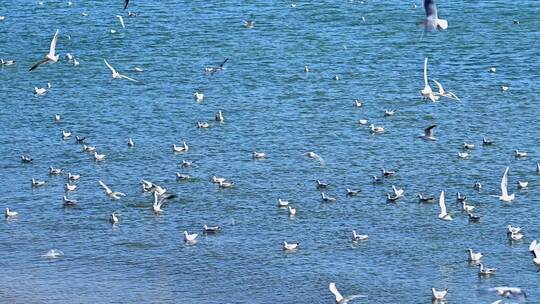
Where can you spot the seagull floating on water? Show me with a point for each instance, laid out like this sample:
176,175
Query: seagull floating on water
10,214
211,229
199,96
50,57
219,116
520,154
282,203
7,62
113,218
37,183
351,192
326,198
69,202
190,238
70,187
26,159
292,211
358,237
180,149
99,157
290,246
438,295
474,256
485,271
259,155
130,143
425,199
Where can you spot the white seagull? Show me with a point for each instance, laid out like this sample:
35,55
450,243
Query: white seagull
432,21
314,155
190,238
290,246
117,75
438,295
180,149
340,299
358,237
428,134
504,188
534,248
474,256
10,214
114,218
444,93
443,215
112,194
50,57
427,92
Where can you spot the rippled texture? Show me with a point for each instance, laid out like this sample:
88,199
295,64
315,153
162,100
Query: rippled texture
270,105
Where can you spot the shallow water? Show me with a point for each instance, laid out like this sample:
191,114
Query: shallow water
270,105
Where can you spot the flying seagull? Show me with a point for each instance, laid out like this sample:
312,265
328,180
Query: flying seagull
428,134
51,55
117,75
339,298
432,21
504,188
427,92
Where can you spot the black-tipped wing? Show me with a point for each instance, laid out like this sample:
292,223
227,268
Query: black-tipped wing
429,130
42,61
431,8
126,2
225,61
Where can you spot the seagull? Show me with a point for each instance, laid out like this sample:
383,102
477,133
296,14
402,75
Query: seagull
203,125
42,91
468,146
259,155
504,88
292,211
443,215
10,214
477,186
26,159
57,118
79,139
339,298
213,70
389,112
474,256
438,295
320,184
314,155
357,103
363,121
351,192
66,135
376,180
159,200
249,23
534,248
392,198
466,208
520,154
290,246
388,173
398,192
444,93
73,177
53,254
493,70
513,230
217,180
460,198
225,184
199,96
50,57
487,271
425,199
515,236
113,219
219,116
282,203
89,149
428,134
180,176
116,75
69,187
190,238
130,143
182,149
427,92
523,184
99,157
55,171
211,229
508,292
504,188
474,218
432,21
487,142
358,237
121,20
306,69
186,164
376,129
326,198
7,62
69,202
537,168
112,194
463,155
37,183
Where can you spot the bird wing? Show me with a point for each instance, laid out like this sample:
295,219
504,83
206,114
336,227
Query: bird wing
128,78
52,49
442,204
42,61
429,130
110,67
126,2
439,85
504,183
221,65
107,189
431,8
121,20
335,292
